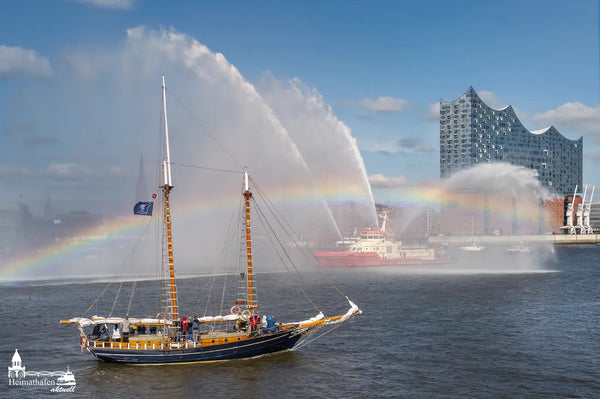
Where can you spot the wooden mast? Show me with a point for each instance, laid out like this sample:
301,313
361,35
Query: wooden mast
252,304
167,186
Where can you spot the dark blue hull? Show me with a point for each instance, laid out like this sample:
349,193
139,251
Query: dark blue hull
255,346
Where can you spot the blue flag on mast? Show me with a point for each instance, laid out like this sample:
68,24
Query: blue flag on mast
143,208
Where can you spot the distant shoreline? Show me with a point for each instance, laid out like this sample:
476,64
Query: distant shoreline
530,239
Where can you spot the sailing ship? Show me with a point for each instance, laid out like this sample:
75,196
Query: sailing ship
373,249
238,334
474,247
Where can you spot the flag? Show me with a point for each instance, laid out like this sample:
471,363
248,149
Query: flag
143,208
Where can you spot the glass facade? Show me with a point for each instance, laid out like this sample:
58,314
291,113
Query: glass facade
472,133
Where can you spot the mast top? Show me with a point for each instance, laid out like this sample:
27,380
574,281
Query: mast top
246,185
167,162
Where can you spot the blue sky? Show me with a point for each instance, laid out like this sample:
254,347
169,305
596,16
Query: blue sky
381,66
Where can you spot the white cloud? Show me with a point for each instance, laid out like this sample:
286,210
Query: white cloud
404,145
434,112
491,99
66,171
384,104
572,115
18,60
59,171
116,4
88,66
381,181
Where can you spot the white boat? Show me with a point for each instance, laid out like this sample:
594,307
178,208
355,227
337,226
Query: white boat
521,248
473,247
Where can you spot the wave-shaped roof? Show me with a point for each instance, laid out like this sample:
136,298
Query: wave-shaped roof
551,130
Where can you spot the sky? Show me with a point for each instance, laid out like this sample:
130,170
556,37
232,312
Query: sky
75,77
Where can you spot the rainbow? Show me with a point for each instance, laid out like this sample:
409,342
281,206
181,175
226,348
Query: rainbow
42,261
432,195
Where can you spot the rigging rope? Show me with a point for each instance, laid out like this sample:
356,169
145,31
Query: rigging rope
129,262
97,299
282,248
115,301
292,234
305,342
206,168
131,298
206,130
233,225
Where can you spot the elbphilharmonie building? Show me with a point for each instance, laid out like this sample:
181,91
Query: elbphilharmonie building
472,133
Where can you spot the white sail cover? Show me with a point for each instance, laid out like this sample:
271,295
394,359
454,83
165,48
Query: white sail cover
84,322
353,310
311,320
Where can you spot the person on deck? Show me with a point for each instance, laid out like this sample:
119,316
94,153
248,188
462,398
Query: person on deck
184,327
177,325
254,322
116,335
103,334
189,327
195,328
126,325
263,321
96,332
271,326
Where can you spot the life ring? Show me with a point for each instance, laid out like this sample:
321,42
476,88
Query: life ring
83,341
245,314
235,309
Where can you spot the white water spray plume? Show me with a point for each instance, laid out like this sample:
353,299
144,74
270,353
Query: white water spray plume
498,177
301,155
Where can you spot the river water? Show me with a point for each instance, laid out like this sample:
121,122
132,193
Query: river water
447,332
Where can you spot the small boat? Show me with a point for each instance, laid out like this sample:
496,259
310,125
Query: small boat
519,249
160,340
374,249
472,248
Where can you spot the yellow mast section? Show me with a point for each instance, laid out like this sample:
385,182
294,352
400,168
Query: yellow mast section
252,304
167,189
174,311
